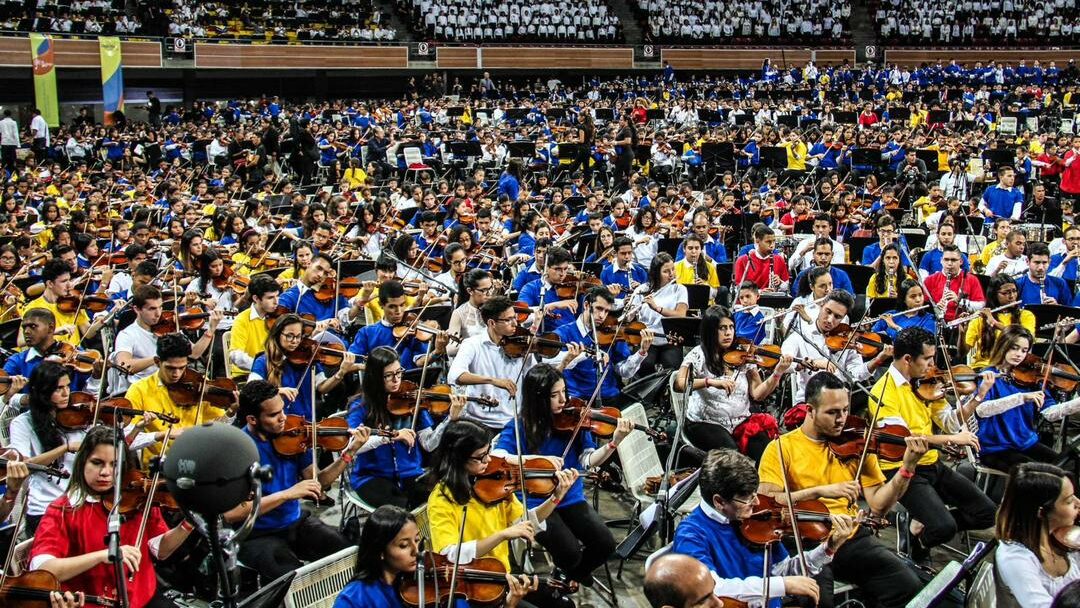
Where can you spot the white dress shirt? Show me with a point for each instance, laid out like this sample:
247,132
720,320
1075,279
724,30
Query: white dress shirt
798,347
480,356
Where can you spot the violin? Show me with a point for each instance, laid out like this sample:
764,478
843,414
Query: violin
219,392
332,435
575,287
327,353
34,588
611,330
192,320
435,399
482,582
887,441
1032,369
407,328
117,258
867,343
501,479
743,352
523,341
600,420
1067,537
652,482
771,521
84,362
82,406
306,319
135,489
51,471
935,384
93,303
330,288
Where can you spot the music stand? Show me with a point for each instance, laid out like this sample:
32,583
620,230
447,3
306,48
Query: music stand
669,246
774,158
466,149
1049,313
686,329
654,115
521,149
272,595
857,273
899,114
999,158
570,151
9,334
606,114
698,296
776,301
930,157
846,118
866,156
352,268
879,306
718,154
455,111
440,314
516,113
939,117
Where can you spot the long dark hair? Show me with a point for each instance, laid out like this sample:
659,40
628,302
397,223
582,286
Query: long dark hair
710,338
460,439
901,270
378,416
43,382
654,269
205,260
901,296
185,247
988,335
379,530
78,490
1030,494
702,266
536,405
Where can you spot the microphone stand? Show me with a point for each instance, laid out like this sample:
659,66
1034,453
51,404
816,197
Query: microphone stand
112,537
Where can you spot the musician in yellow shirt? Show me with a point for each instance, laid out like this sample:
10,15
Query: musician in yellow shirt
812,471
942,501
983,331
72,327
1002,228
249,331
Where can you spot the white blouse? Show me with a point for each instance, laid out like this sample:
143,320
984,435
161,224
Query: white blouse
669,296
716,405
1020,571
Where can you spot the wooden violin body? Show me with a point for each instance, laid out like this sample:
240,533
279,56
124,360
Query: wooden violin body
501,479
886,441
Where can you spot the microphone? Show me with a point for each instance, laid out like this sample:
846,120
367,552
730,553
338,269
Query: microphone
212,468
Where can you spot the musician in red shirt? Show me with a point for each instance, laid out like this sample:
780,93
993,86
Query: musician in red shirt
762,265
1070,177
70,541
958,291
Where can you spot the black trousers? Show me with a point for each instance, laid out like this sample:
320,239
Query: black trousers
879,573
581,162
380,491
277,552
708,436
945,502
578,541
7,156
1005,461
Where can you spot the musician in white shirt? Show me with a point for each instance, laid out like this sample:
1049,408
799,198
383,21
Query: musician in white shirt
1012,261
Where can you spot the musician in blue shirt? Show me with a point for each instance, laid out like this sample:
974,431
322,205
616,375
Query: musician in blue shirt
1036,287
623,271
1003,199
729,482
284,534
301,298
580,368
39,334
1065,265
907,314
411,349
931,260
557,311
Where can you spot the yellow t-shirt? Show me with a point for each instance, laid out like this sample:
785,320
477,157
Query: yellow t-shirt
62,319
872,291
796,155
249,333
356,177
810,464
990,251
685,274
925,207
481,521
150,394
979,354
375,311
899,402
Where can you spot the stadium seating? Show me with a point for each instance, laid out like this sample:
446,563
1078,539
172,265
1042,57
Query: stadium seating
768,22
516,20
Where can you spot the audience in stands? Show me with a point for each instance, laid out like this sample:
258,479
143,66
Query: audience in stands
516,20
974,22
770,21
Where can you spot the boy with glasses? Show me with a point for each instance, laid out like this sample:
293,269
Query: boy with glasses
555,311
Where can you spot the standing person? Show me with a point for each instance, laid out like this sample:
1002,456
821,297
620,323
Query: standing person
812,472
626,141
463,527
586,136
1070,176
70,543
939,501
284,533
9,141
388,549
575,534
39,136
153,109
1039,498
39,438
718,413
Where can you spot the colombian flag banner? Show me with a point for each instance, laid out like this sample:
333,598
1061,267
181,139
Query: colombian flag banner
41,52
112,76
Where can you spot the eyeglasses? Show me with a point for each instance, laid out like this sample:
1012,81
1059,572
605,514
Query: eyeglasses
482,457
390,375
292,337
483,290
507,320
744,501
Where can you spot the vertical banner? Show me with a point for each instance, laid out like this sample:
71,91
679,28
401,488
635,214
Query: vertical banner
112,76
41,53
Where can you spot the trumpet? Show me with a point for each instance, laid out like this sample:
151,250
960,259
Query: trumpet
966,318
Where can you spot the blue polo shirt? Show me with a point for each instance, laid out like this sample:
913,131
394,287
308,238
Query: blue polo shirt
286,473
1052,286
1003,201
924,320
292,376
873,250
530,294
393,461
840,280
610,276
379,334
24,362
307,304
528,275
552,446
1069,274
581,379
750,326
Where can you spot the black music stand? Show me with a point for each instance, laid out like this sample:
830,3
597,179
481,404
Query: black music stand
440,313
775,301
352,268
521,149
698,296
880,306
1050,313
668,246
686,330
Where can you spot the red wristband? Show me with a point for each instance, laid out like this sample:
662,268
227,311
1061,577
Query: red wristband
611,444
906,474
347,458
555,501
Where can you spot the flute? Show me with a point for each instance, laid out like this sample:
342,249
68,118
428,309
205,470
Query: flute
782,313
895,314
1062,323
965,319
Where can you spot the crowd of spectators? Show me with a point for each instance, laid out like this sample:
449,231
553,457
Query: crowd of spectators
279,21
762,21
978,22
514,20
70,17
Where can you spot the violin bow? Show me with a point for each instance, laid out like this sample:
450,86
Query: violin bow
871,425
18,522
150,496
792,510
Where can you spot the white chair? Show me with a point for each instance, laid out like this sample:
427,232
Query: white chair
639,460
678,404
226,343
982,593
414,161
318,583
